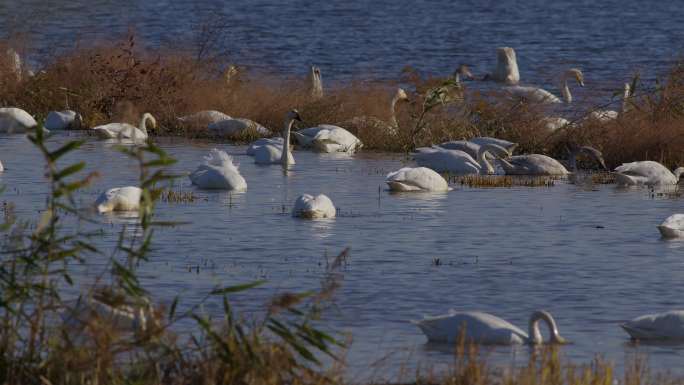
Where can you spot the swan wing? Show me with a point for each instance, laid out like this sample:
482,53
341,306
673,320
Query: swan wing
416,179
453,161
667,325
533,94
534,164
481,328
469,147
340,139
483,140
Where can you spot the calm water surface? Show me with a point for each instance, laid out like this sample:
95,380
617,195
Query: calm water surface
593,257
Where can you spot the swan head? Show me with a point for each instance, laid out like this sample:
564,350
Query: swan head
575,73
464,71
535,334
678,172
592,152
293,115
401,95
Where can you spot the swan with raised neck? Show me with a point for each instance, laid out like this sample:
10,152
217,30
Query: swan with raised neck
291,117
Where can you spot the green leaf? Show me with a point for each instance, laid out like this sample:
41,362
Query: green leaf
237,288
70,146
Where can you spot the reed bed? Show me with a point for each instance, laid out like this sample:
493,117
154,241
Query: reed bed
120,79
493,181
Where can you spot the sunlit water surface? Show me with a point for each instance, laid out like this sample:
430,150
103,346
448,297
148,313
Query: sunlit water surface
591,256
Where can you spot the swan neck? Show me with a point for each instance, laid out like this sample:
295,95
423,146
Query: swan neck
678,173
625,98
143,123
285,157
482,158
393,115
565,90
316,86
535,336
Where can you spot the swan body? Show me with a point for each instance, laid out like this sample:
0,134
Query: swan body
123,317
554,123
660,326
672,227
456,161
204,117
310,207
532,164
1,167
273,153
125,130
506,70
218,172
328,138
63,120
416,179
237,126
485,328
540,95
462,145
119,199
648,173
14,119
277,141
316,87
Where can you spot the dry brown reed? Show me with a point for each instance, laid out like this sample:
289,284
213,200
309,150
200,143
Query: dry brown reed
492,181
119,80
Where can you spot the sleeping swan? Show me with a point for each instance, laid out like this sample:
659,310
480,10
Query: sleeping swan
660,326
672,227
647,173
310,207
416,179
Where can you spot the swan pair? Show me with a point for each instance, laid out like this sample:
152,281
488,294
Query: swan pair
646,173
459,162
126,131
14,119
63,120
485,328
314,207
218,172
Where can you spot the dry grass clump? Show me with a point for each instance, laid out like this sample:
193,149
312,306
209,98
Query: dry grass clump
492,181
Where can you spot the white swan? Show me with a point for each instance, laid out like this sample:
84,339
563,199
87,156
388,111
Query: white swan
276,141
63,120
14,119
204,117
119,199
660,326
1,167
506,70
648,173
273,153
540,95
554,123
125,130
218,172
538,164
310,207
456,161
472,147
608,115
328,138
16,65
121,317
485,328
416,179
378,124
672,227
316,84
237,126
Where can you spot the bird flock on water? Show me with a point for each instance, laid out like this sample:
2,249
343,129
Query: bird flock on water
481,155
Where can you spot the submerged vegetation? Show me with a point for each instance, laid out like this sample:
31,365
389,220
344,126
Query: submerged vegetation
119,80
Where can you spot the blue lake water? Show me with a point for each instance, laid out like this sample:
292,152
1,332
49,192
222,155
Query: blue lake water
591,256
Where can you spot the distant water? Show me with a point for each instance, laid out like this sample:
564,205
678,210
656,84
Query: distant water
591,256
376,39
